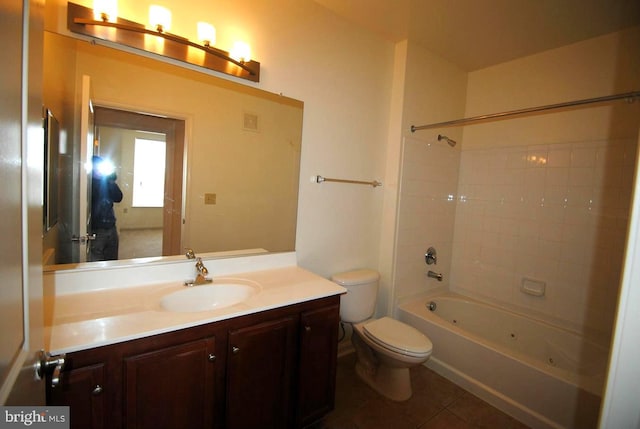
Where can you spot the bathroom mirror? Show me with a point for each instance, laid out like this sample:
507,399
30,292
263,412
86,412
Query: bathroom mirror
241,148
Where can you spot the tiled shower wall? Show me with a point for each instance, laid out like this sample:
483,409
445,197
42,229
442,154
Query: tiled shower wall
553,213
426,216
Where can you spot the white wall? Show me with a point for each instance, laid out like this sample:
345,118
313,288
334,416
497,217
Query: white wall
343,75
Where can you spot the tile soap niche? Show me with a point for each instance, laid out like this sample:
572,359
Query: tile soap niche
532,286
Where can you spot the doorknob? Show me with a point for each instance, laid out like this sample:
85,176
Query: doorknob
50,364
84,239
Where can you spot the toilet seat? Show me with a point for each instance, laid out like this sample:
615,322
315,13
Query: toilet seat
398,337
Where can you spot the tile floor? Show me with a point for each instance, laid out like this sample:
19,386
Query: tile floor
436,403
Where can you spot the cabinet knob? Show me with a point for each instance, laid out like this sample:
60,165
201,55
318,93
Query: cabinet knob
307,328
97,390
235,350
212,357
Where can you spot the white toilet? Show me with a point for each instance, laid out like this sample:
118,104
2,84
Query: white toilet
385,348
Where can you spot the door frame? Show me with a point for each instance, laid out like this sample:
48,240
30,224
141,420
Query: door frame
174,129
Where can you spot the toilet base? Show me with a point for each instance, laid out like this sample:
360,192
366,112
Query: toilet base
392,383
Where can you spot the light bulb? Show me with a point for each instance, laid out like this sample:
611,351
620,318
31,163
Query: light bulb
159,18
241,52
105,10
206,33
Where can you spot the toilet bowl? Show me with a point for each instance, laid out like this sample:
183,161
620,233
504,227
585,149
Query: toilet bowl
385,348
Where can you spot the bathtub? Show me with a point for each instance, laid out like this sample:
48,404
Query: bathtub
543,375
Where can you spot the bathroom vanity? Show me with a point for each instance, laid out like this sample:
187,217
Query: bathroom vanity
268,361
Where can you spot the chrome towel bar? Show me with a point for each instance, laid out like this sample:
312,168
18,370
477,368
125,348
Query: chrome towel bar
320,179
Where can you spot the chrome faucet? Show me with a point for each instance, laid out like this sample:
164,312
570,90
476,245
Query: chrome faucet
434,275
201,276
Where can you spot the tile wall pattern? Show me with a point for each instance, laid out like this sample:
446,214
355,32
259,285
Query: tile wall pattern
556,213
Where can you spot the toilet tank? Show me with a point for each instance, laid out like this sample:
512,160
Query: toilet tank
359,303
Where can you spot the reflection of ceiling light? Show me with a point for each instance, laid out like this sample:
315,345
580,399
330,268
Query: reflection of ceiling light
206,33
105,10
159,18
86,21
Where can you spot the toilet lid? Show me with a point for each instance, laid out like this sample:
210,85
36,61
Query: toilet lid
398,336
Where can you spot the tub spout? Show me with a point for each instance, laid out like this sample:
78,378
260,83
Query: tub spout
434,275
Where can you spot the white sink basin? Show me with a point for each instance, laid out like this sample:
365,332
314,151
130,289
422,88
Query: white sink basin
207,297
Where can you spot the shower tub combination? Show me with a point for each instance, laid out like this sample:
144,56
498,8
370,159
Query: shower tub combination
543,375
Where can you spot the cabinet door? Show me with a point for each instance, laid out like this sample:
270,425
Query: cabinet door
318,358
83,390
172,387
260,370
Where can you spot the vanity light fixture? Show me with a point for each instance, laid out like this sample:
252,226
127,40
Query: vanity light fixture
86,21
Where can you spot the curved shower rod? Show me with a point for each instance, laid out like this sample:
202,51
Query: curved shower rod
629,96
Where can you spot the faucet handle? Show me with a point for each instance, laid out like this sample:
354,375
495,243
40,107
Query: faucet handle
190,253
200,267
431,257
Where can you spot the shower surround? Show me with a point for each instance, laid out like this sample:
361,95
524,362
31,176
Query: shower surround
555,213
543,197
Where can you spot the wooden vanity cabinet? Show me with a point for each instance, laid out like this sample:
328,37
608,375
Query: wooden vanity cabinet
273,369
171,387
85,386
318,360
261,362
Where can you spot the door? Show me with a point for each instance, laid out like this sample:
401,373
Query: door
260,365
173,130
82,390
318,361
172,387
21,169
86,154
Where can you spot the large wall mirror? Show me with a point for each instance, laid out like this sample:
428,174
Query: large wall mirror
235,170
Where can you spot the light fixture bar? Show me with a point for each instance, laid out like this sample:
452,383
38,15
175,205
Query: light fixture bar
80,20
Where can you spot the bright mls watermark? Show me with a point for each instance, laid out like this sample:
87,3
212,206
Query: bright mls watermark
35,417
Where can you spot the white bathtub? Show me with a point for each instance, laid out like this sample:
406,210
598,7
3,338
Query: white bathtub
543,375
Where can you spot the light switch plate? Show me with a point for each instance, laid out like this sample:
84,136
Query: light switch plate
209,198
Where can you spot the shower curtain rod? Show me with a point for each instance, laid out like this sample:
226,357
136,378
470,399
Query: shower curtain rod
630,96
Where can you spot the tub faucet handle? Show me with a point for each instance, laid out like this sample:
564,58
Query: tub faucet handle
431,256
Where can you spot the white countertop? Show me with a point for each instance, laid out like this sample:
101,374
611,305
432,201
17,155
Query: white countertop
78,321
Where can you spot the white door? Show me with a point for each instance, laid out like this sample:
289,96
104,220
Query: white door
86,154
21,169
